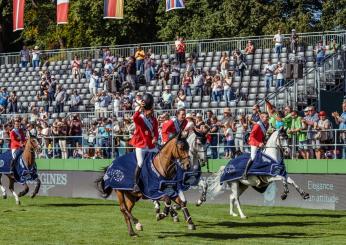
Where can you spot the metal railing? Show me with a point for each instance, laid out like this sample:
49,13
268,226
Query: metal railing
196,46
117,144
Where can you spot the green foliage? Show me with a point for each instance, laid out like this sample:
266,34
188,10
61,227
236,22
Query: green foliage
147,21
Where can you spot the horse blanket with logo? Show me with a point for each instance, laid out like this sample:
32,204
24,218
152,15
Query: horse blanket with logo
21,172
120,175
262,165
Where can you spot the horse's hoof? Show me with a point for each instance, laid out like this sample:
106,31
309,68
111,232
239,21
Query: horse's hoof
243,217
160,216
199,203
139,227
133,234
234,214
4,196
176,219
283,196
191,226
18,202
306,196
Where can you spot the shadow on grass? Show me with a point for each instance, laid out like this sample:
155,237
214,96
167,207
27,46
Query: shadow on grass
337,216
72,205
231,224
227,236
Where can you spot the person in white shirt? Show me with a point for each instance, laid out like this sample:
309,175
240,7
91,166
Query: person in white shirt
279,71
35,57
278,39
269,71
93,83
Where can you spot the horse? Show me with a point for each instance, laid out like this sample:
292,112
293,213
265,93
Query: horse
274,149
175,151
30,172
198,157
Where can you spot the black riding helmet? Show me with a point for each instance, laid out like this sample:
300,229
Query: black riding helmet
148,100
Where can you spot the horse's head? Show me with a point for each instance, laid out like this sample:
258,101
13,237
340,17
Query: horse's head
181,151
32,144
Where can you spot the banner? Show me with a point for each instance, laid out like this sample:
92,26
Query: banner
18,15
174,4
62,11
113,9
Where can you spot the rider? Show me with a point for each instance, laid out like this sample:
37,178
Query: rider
17,137
146,133
256,139
172,127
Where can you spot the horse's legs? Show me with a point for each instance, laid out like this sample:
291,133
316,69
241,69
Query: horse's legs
37,188
174,214
3,190
123,209
236,193
157,206
130,203
302,193
188,219
11,187
203,198
166,209
25,191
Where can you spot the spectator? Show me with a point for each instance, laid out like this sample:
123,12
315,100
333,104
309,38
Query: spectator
88,69
255,116
293,41
227,116
180,100
278,39
187,80
229,139
269,71
164,75
227,88
320,51
116,103
214,129
323,136
190,67
103,133
4,96
43,115
92,137
35,57
45,134
279,71
24,57
151,54
60,98
122,69
13,102
224,64
333,47
208,84
210,114
94,83
250,48
175,73
199,83
239,127
148,69
180,50
105,100
75,101
75,64
75,131
127,131
51,90
298,130
131,72
240,62
310,119
341,121
217,88
167,98
108,66
140,56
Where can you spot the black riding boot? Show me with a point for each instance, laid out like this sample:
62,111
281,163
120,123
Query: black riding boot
136,180
248,165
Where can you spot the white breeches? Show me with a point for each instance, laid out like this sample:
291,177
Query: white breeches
140,153
13,153
253,150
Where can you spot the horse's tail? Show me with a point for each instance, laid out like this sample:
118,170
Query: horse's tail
100,186
214,186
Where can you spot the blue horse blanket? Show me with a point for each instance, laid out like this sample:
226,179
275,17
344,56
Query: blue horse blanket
21,172
262,165
120,175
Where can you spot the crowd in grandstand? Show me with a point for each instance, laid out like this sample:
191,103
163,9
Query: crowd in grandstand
116,86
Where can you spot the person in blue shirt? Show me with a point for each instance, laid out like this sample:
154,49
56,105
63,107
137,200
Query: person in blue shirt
341,121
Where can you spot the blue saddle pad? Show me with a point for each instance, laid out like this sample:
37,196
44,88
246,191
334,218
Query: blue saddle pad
120,175
21,172
262,165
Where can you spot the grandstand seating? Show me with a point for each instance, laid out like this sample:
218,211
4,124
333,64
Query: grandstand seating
251,86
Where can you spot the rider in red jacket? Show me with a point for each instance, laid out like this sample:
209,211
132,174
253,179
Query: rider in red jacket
17,138
256,139
146,133
173,126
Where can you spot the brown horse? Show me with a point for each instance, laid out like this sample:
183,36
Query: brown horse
31,147
177,149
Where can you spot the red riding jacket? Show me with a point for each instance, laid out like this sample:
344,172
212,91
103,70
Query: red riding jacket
17,138
170,128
